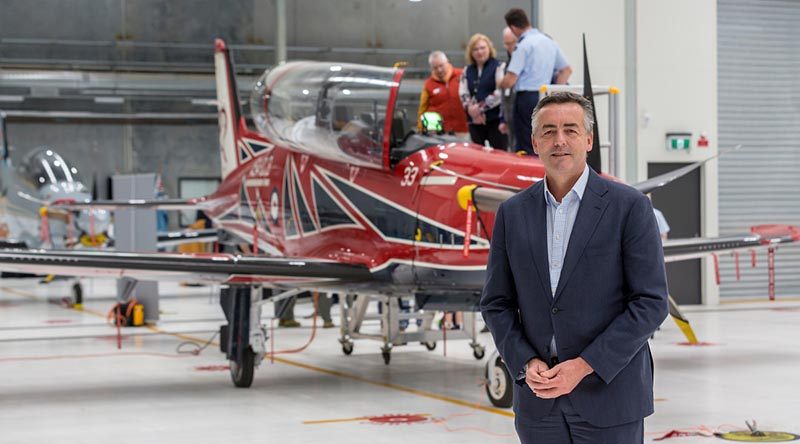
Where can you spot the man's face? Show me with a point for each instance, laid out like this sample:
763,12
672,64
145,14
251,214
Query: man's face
516,31
439,68
509,41
561,140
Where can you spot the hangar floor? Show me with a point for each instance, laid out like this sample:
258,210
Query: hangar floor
64,380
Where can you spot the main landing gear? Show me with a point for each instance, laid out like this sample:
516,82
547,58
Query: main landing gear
243,339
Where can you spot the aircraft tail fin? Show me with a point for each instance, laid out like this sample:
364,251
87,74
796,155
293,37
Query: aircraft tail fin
229,111
593,158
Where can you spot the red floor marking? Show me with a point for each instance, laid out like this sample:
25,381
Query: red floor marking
58,321
785,308
212,368
397,419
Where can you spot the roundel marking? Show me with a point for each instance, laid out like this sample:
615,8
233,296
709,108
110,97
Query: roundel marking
274,206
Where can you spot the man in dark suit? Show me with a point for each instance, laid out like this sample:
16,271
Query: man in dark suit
575,287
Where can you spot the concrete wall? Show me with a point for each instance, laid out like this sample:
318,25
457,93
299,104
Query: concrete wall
675,82
604,26
99,151
360,24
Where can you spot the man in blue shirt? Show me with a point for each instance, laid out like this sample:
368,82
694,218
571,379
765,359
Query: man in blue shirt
536,61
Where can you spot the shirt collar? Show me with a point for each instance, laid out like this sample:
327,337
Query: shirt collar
526,33
578,188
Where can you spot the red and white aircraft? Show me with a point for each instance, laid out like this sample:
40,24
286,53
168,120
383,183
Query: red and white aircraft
336,191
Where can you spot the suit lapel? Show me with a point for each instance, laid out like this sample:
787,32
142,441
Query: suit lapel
591,209
536,232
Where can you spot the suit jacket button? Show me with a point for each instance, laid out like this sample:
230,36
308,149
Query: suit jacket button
554,310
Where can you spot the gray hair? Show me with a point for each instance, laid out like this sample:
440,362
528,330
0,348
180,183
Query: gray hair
561,98
437,55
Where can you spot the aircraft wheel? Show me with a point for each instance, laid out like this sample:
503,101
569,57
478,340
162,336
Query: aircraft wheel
77,293
387,356
478,352
499,386
242,373
431,346
347,348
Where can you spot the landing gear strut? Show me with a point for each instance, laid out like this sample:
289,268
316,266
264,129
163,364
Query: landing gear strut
243,339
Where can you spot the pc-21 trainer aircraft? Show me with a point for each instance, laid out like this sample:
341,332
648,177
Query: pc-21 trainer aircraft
31,191
334,192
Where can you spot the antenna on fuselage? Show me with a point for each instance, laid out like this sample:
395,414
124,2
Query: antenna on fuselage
593,158
3,136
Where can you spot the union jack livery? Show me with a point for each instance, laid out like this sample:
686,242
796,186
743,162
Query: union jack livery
335,191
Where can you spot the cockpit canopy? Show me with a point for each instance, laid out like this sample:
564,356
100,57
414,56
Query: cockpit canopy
45,168
336,111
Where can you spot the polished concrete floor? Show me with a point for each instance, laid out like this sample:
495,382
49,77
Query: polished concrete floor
65,381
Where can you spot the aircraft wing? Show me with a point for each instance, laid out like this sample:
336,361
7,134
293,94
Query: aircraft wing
204,268
172,238
759,236
155,204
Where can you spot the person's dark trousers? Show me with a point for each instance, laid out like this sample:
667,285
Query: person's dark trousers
284,309
564,426
523,108
491,132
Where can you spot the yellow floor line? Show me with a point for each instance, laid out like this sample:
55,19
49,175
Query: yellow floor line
18,292
763,299
340,374
401,388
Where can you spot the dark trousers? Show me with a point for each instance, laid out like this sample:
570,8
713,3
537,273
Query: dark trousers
564,426
491,132
523,108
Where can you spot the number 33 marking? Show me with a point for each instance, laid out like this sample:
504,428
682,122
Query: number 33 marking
409,175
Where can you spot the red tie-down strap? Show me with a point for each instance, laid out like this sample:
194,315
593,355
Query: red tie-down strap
468,230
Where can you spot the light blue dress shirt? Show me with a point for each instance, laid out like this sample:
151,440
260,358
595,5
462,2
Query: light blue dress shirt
560,220
535,59
663,226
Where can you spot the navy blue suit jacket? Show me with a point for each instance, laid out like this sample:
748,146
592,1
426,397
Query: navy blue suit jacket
611,297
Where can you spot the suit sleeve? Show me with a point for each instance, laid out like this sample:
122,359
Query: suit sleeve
499,303
646,284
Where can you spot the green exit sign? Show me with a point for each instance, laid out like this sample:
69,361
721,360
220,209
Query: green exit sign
679,141
679,144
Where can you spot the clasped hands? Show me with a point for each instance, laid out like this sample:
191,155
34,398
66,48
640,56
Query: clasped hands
476,113
547,383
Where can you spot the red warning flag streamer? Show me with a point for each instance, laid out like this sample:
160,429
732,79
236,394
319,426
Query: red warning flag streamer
716,267
468,231
771,270
736,257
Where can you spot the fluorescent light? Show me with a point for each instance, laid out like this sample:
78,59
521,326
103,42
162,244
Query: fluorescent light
204,102
7,98
109,100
